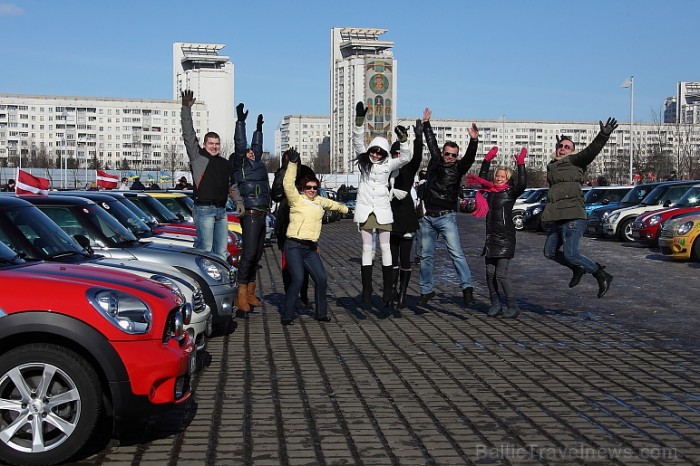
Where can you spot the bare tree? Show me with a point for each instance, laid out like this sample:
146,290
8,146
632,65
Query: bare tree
174,161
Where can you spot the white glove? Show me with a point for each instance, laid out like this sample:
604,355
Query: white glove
399,194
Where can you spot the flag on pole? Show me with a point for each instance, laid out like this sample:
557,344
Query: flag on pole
107,181
627,82
30,184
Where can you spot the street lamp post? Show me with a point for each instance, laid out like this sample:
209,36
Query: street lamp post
629,82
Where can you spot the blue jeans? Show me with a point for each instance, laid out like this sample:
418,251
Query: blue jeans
562,245
446,226
302,256
212,229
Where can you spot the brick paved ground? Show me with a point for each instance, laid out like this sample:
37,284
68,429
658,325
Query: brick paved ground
575,380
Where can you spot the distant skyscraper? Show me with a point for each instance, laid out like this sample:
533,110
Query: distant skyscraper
362,69
688,102
670,110
199,67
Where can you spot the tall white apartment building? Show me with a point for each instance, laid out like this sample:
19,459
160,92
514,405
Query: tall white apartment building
688,102
200,68
309,134
362,69
144,134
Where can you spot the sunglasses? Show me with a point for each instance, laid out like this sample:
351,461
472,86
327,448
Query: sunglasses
311,187
563,146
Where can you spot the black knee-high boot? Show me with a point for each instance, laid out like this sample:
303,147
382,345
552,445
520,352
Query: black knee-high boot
388,278
366,284
604,279
405,278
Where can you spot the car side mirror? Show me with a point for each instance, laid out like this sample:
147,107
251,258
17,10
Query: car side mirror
667,204
605,201
180,216
84,243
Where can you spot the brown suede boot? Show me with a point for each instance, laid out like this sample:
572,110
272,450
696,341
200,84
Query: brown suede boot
242,298
252,299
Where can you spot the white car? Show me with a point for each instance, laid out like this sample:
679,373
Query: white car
619,223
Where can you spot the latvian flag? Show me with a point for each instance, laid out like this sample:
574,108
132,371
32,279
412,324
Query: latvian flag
29,184
107,181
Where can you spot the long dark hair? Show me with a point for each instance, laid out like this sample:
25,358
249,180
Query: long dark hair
365,164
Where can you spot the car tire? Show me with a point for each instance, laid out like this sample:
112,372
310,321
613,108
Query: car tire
695,251
518,219
624,230
71,399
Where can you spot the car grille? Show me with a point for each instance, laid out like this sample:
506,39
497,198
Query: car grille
666,232
232,275
198,304
637,225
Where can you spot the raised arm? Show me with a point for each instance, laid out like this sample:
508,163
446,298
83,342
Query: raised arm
430,140
188,133
240,141
257,144
521,177
486,164
466,162
587,155
404,152
358,131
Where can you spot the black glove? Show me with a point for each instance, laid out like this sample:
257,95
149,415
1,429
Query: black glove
418,128
293,155
241,114
609,126
260,123
187,98
360,112
401,133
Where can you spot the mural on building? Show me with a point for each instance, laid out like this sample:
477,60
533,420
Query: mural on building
378,78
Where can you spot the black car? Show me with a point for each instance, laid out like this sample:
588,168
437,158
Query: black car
532,217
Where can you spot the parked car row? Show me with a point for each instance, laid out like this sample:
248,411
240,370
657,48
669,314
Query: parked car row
101,313
664,214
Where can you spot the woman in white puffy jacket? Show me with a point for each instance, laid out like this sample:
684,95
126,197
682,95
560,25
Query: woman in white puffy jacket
373,207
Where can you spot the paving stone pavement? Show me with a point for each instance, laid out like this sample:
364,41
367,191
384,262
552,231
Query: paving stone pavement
574,380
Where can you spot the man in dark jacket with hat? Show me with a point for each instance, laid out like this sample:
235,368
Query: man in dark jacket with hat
440,197
252,203
565,208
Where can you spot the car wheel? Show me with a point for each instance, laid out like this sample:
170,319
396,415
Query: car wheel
50,401
625,230
518,219
695,251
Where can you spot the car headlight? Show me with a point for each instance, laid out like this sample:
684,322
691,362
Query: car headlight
212,269
126,312
173,287
653,220
536,210
606,215
685,228
612,218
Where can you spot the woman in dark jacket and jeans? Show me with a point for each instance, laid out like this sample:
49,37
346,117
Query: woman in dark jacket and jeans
499,248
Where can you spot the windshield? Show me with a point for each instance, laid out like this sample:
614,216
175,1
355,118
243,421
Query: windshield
637,194
597,196
92,221
126,217
31,234
691,198
534,196
8,256
155,208
145,217
176,206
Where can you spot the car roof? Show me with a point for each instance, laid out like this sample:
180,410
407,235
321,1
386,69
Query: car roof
59,199
12,200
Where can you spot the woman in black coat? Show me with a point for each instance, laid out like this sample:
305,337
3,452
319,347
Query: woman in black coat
499,248
405,219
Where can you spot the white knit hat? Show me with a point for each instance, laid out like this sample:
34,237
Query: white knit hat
381,143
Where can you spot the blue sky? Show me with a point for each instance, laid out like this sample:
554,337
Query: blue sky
527,60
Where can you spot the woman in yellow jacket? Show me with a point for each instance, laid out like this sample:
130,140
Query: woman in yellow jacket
301,248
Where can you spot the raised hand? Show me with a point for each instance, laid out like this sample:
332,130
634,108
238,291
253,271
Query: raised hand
260,123
520,158
241,114
418,128
360,113
401,133
473,131
490,155
188,99
293,155
609,126
427,113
